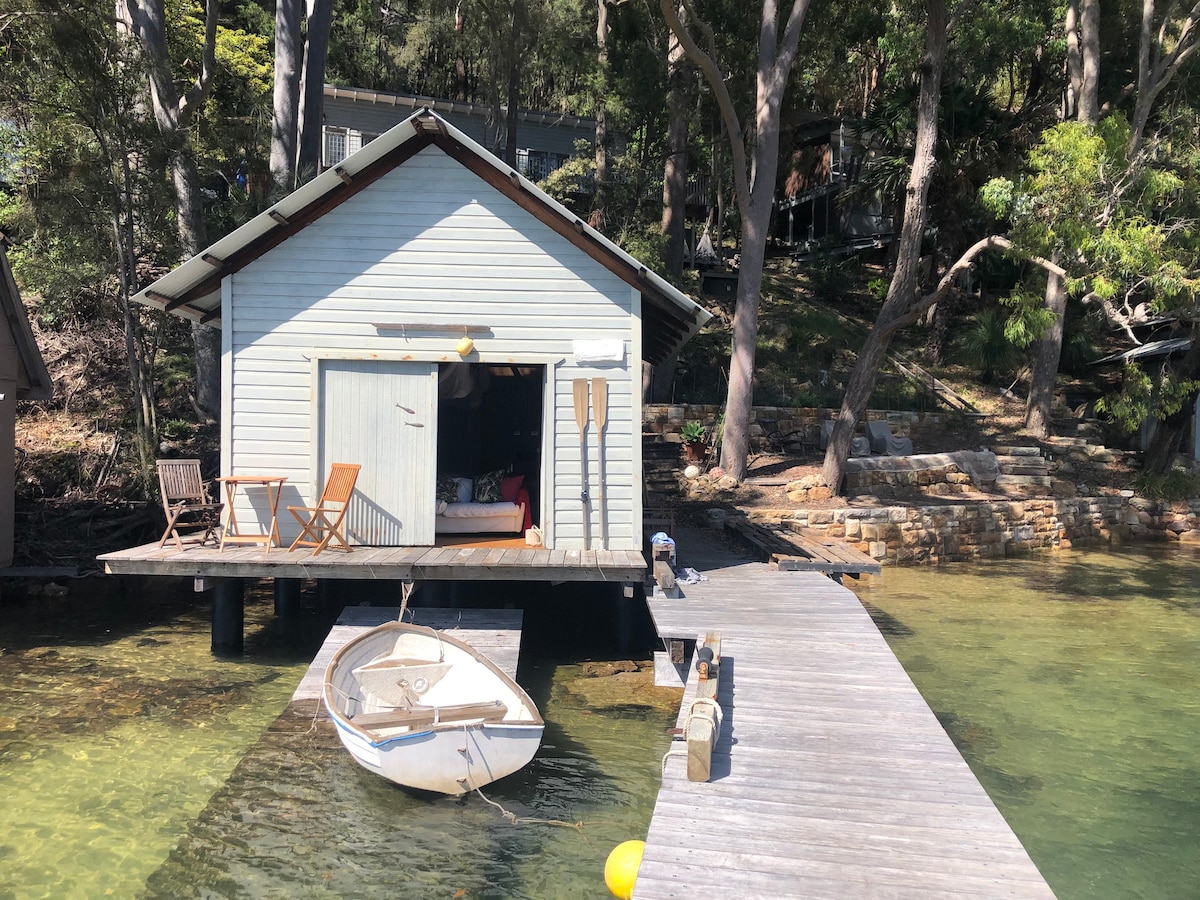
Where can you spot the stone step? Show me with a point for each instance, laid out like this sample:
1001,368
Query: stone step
1003,460
1024,485
1017,469
1010,450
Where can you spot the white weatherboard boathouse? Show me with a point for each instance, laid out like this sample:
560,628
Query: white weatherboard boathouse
343,309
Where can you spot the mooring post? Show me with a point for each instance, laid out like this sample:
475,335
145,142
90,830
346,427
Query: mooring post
287,596
229,608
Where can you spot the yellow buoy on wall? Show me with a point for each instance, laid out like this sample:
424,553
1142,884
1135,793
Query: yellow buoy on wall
465,346
620,872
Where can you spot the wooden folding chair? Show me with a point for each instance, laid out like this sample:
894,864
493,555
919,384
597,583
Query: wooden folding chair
322,523
186,501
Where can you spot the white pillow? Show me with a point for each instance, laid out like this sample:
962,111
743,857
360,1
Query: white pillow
466,488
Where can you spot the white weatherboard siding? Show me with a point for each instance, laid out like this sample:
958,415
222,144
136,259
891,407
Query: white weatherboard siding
431,243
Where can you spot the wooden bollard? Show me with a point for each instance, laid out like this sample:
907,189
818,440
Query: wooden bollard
701,725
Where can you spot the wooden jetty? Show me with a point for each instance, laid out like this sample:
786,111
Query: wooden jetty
830,776
496,633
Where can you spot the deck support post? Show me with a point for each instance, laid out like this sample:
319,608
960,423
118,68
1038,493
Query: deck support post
229,608
287,596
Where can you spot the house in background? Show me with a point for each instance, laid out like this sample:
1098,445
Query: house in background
426,311
811,214
23,376
354,117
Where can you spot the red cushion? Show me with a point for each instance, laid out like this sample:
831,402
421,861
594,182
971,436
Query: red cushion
510,486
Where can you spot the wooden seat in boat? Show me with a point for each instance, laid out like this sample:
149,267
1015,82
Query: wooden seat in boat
420,716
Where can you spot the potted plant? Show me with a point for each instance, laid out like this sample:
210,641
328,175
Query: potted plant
695,441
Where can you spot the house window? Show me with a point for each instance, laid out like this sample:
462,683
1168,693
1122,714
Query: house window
342,142
537,164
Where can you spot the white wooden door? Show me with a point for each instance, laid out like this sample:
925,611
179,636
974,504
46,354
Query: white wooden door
383,416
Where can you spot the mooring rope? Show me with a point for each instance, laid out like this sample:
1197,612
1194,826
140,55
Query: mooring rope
512,817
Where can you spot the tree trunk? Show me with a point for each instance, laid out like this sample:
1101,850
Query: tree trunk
675,169
193,237
288,55
172,114
902,296
1046,353
1089,46
600,181
735,444
755,182
460,62
514,90
1165,443
312,89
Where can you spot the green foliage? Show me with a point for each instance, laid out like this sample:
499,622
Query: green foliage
1173,485
1028,320
878,288
1142,397
986,345
692,433
1133,403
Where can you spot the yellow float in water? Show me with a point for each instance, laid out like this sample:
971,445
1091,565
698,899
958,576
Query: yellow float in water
620,872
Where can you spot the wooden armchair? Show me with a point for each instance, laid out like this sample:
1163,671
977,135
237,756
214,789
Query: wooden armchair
186,501
322,523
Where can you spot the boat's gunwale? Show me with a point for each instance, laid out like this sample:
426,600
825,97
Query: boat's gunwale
373,738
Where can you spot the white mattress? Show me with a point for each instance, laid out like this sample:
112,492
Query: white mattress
469,518
477,510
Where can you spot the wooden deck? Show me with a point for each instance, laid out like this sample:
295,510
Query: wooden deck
496,633
455,561
831,776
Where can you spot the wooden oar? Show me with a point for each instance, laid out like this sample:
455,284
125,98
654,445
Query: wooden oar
580,389
600,404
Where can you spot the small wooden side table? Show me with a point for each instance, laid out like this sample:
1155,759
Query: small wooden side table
231,533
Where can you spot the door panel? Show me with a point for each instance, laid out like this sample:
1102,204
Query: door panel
383,415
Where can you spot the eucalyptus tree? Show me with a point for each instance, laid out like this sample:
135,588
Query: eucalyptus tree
300,55
173,113
1166,42
900,307
754,147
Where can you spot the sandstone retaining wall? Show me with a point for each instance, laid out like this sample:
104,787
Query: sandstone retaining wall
980,529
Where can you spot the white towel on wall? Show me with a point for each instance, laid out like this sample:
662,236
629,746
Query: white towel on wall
607,350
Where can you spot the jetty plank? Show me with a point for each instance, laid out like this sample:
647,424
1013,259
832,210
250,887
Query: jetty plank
449,563
830,775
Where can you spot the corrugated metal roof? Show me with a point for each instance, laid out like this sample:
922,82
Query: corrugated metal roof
193,289
1153,348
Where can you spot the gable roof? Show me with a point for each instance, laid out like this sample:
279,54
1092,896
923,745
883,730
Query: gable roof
13,310
193,290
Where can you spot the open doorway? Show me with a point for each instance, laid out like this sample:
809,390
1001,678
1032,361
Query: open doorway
490,420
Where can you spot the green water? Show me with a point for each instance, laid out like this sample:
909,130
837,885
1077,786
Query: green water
135,764
1069,683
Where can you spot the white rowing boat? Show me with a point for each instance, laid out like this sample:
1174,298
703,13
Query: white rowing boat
427,711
